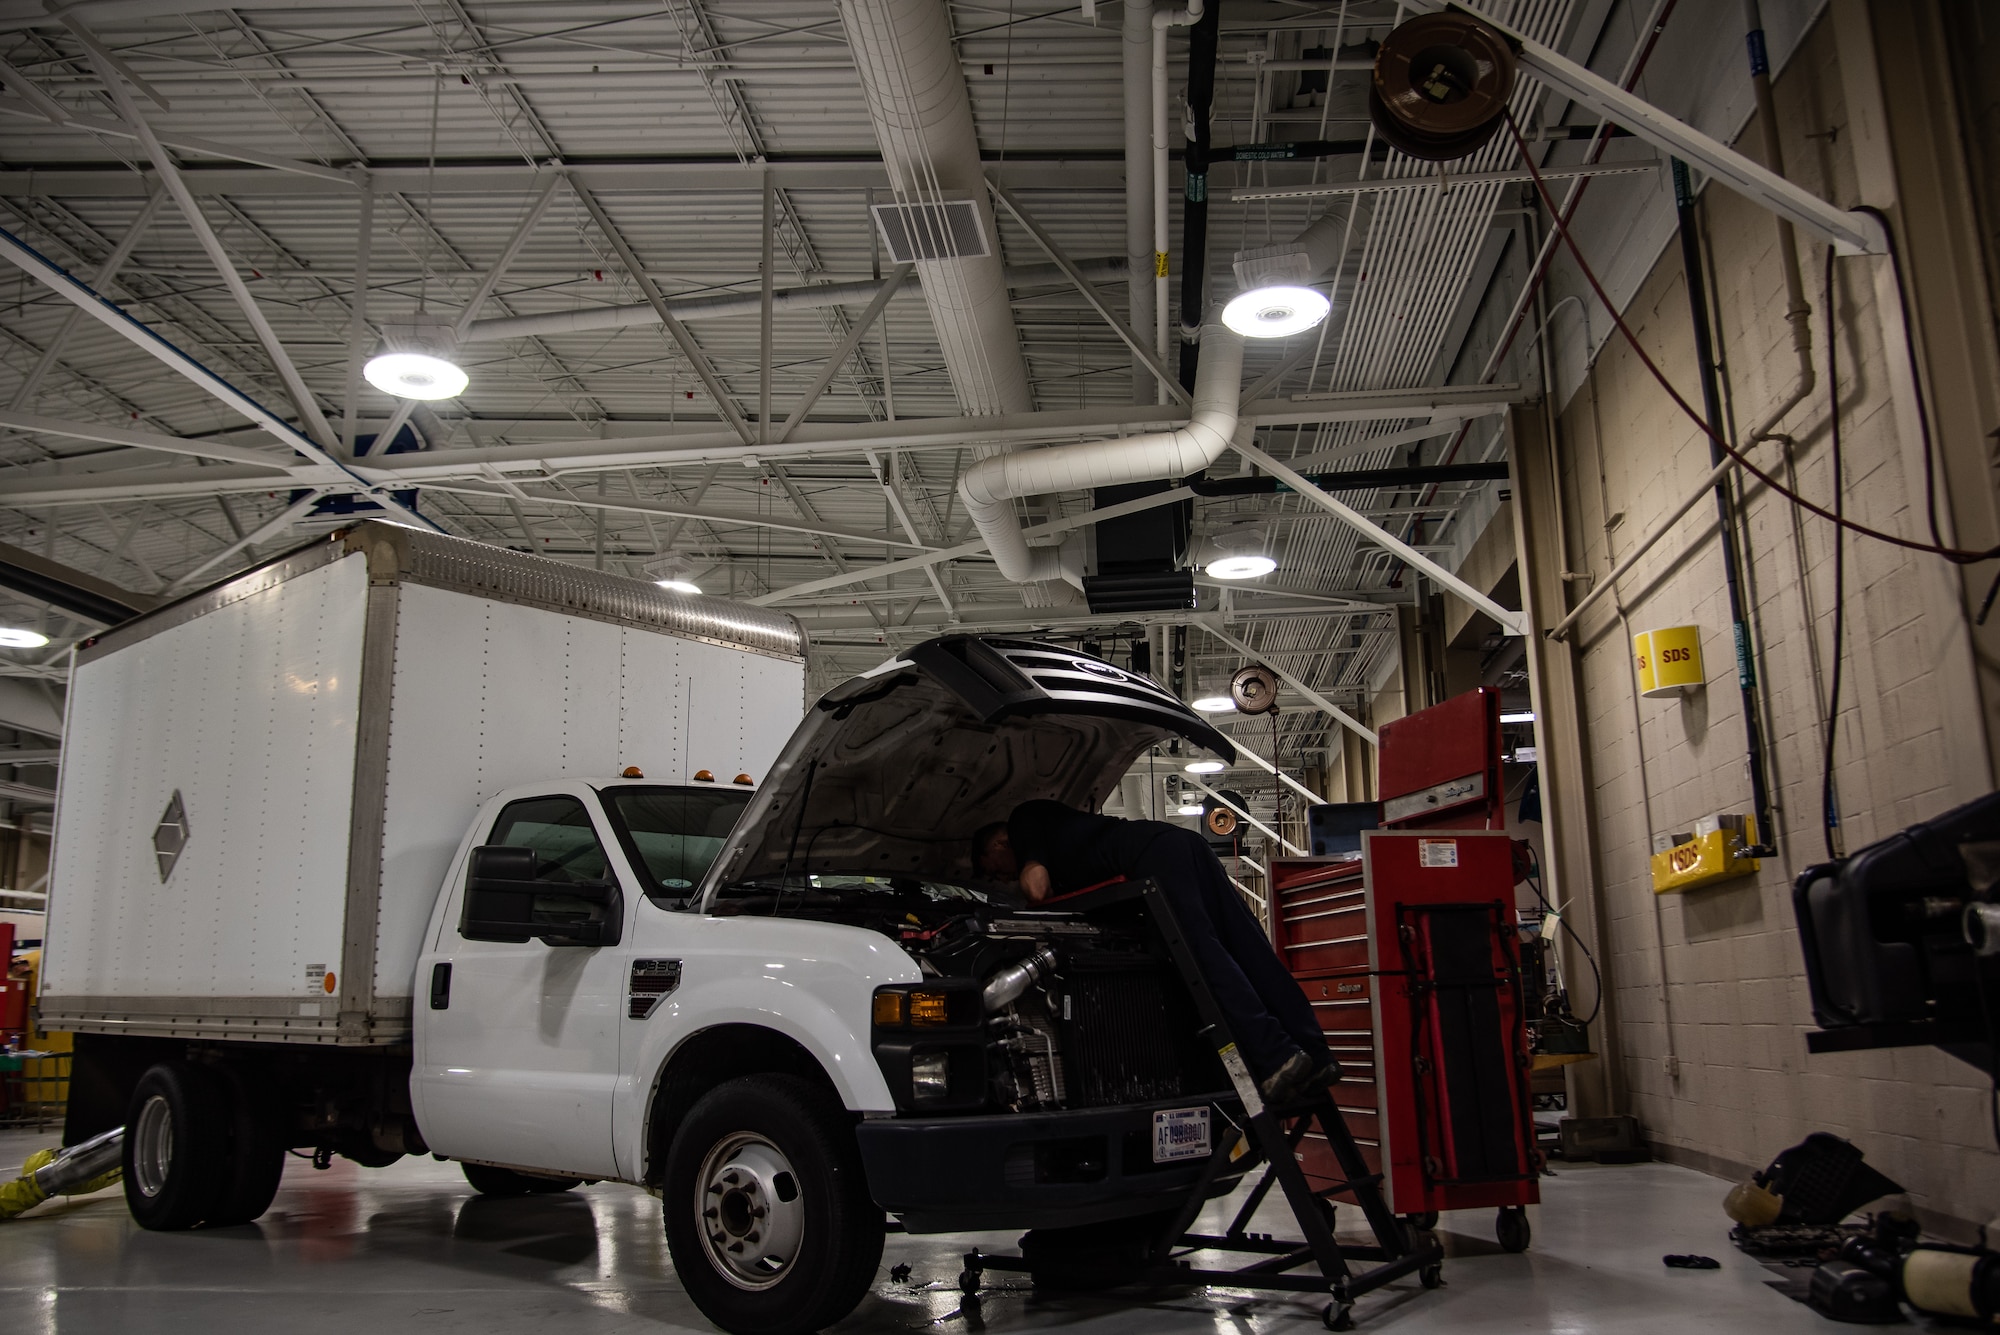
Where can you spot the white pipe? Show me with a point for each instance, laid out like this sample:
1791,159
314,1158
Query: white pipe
990,486
1139,241
916,93
1163,19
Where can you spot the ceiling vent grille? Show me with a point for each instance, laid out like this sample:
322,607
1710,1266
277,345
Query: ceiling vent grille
948,231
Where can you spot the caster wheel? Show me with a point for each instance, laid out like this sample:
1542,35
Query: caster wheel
1512,1226
1424,1221
969,1303
1338,1316
1432,1276
968,1284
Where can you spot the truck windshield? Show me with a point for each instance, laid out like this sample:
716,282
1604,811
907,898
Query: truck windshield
671,835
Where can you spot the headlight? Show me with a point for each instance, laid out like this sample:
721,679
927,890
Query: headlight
930,1075
929,1038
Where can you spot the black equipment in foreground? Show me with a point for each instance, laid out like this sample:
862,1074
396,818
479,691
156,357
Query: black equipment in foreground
1899,939
1259,1135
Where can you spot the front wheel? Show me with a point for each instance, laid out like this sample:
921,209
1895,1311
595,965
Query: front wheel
767,1209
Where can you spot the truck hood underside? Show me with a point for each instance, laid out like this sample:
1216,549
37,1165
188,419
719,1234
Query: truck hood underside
892,773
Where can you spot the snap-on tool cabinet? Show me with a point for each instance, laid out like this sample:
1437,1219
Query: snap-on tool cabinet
1410,956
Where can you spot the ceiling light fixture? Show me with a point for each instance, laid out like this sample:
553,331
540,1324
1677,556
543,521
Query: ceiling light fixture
1240,567
1215,704
1192,809
418,361
14,637
1206,767
1517,718
678,585
1277,311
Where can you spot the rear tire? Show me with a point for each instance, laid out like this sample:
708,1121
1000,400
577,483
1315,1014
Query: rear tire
256,1150
490,1181
176,1155
767,1209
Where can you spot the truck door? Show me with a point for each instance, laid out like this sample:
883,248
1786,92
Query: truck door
519,1054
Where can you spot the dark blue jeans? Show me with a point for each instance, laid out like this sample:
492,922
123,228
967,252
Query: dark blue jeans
1266,1011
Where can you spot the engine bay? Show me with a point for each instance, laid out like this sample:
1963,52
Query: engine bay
1074,1009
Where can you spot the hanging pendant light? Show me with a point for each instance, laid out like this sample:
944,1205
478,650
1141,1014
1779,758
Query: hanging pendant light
419,360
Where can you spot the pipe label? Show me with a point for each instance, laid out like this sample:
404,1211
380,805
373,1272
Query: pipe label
1197,187
1746,670
1159,264
1760,60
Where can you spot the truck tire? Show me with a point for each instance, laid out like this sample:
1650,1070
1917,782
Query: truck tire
176,1155
256,1152
490,1181
767,1210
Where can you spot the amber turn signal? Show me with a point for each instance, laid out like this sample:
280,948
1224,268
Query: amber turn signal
889,1009
930,1008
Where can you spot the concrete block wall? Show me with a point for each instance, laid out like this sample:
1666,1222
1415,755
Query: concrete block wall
1708,988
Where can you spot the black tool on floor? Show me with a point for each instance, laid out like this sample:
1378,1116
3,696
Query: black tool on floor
1315,1263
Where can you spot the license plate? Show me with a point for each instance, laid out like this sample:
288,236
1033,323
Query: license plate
1180,1133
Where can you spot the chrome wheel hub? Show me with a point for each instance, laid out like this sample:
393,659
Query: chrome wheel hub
153,1147
750,1211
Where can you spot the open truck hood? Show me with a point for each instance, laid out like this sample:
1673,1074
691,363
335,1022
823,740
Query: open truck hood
898,768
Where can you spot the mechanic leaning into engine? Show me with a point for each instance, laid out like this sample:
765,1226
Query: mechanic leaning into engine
1054,849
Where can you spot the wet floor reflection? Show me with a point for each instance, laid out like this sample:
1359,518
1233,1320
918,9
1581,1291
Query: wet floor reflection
352,1251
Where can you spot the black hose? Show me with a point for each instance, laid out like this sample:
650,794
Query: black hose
1829,797
1203,39
1711,398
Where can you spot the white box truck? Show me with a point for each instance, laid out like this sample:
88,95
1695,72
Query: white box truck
341,865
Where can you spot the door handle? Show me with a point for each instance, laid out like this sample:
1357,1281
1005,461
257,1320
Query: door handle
440,986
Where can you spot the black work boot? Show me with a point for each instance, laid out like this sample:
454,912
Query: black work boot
1290,1080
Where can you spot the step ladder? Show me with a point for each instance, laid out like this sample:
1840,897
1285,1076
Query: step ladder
1317,1262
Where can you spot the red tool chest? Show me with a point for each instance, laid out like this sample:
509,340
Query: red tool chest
1410,957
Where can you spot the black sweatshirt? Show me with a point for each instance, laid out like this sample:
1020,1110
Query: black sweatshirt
1078,848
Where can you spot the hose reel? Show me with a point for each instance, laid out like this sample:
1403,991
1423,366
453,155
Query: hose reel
1254,690
1441,85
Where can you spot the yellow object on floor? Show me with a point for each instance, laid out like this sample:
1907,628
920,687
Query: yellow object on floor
24,1193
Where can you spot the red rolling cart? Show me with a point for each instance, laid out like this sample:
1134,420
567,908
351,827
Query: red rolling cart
1410,956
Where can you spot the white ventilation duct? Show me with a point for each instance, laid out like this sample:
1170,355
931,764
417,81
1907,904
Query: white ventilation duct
917,98
990,487
1301,260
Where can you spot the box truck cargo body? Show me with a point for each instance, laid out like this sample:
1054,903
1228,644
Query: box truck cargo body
263,785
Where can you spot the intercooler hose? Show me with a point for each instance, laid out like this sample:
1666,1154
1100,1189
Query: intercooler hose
76,1171
1006,986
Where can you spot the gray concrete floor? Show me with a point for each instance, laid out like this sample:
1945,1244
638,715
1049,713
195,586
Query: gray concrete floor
352,1251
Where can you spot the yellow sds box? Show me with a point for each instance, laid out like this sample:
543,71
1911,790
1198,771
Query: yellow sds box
1710,856
1668,660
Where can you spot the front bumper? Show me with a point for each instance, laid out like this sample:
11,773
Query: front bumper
1030,1170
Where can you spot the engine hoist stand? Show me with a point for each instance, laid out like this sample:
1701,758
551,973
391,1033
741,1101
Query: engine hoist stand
1317,1262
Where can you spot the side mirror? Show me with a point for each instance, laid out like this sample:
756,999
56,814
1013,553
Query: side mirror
508,899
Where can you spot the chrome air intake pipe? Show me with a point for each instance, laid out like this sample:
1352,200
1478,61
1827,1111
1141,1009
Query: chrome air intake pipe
1006,985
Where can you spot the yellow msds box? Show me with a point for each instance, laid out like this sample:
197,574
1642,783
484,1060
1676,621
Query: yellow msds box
1711,855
